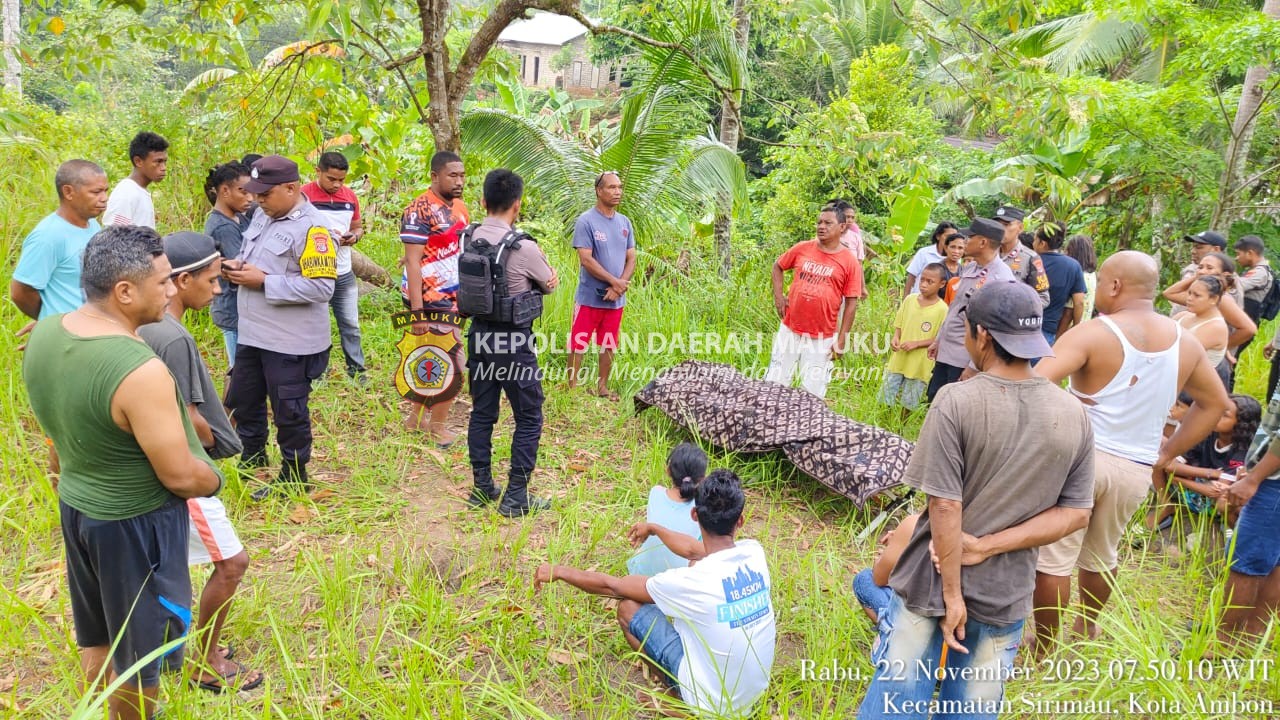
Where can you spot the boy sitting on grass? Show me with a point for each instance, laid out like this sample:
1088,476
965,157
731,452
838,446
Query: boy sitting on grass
708,627
914,328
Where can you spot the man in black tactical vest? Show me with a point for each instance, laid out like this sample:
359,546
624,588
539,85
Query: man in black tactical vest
502,276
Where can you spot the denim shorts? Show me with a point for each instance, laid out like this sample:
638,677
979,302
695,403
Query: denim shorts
1257,543
902,390
659,640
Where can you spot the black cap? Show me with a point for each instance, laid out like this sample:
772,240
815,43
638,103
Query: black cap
1208,237
270,171
1011,312
989,229
1009,213
190,251
1250,242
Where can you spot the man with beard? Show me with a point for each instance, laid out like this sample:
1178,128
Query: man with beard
429,230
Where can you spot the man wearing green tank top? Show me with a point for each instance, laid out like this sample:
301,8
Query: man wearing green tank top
127,457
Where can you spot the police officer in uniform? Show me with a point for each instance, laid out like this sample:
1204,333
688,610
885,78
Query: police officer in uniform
1022,260
285,272
501,358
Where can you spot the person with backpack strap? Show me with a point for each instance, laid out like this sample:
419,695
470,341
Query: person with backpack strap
502,276
1255,280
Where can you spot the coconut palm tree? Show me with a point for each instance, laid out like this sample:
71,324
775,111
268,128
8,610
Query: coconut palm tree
671,177
840,30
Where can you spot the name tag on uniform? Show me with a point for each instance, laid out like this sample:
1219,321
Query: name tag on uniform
319,257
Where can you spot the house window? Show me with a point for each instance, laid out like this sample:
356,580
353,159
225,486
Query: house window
536,60
523,62
613,73
577,74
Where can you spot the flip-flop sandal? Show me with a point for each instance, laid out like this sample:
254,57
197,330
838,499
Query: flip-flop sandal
228,651
221,685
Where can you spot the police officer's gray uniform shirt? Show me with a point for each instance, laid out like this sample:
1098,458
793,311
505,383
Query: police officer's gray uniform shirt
289,314
527,266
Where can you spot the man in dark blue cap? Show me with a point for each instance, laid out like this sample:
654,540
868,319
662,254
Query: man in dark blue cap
286,273
983,246
1022,260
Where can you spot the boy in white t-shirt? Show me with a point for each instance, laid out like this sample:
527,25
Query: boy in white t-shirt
708,627
130,202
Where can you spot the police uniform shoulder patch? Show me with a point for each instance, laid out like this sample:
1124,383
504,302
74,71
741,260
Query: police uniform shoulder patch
319,257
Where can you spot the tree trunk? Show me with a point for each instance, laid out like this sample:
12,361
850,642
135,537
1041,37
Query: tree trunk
9,25
1237,154
730,132
369,271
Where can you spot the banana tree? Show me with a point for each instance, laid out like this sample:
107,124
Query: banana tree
1060,178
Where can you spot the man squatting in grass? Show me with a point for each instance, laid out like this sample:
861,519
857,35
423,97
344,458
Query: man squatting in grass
995,493
826,279
128,457
429,232
709,627
197,266
501,358
606,245
1125,367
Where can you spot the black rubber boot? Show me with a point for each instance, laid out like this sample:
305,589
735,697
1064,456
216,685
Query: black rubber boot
485,491
292,476
517,502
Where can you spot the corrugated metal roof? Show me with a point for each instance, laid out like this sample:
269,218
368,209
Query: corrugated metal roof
544,29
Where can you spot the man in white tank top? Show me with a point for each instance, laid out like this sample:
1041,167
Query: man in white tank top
1126,366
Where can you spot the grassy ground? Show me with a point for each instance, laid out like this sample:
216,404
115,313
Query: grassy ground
382,596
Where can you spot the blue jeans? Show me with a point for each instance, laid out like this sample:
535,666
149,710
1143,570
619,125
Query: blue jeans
1257,547
659,640
906,669
229,339
346,311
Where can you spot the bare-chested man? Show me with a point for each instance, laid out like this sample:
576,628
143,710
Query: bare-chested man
1126,366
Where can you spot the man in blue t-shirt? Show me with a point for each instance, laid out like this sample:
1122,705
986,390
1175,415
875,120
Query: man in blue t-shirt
606,246
1066,279
47,278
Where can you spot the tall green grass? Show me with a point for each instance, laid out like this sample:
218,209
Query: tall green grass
389,599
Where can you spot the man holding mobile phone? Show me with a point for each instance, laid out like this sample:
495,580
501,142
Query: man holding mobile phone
339,206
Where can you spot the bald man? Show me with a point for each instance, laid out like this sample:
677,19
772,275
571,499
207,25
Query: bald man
1126,366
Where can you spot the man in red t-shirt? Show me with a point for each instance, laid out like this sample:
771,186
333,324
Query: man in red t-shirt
429,230
826,277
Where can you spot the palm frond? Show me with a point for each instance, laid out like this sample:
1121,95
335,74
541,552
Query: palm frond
1083,41
208,79
557,173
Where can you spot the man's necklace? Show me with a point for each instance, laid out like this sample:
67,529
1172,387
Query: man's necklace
109,319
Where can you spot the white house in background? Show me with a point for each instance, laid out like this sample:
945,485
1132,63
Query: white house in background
537,40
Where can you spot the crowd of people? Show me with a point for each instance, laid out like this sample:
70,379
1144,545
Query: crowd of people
991,322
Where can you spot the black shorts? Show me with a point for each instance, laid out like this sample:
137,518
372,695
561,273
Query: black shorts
129,580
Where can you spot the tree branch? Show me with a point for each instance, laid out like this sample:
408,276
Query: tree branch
726,94
399,69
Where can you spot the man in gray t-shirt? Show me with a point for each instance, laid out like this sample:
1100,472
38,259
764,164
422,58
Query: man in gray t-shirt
196,265
996,493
